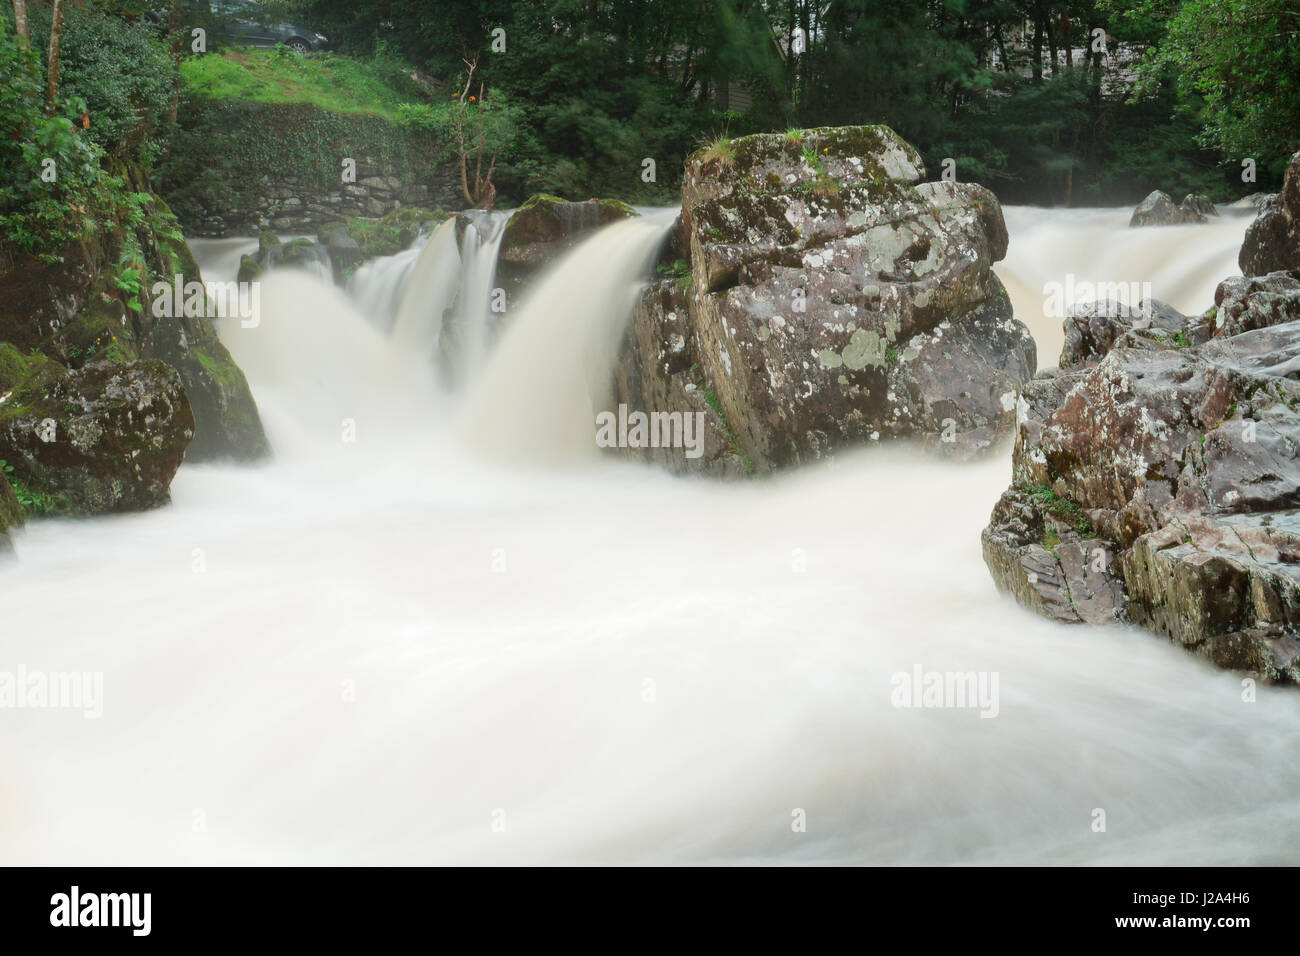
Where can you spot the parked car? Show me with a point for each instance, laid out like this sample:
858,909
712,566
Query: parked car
245,23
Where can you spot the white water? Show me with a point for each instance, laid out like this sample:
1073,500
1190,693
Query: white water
1183,264
519,694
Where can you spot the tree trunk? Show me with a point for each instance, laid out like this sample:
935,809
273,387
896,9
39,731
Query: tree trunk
20,23
1051,43
1038,50
52,83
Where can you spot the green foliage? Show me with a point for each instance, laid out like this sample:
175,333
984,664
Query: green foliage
37,215
1237,64
341,84
678,269
119,73
1064,509
33,503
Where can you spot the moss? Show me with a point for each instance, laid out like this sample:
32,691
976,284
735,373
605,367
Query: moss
16,368
226,373
734,443
390,234
1064,509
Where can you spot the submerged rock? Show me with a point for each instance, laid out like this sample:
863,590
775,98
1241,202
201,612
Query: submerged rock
1158,209
103,438
1272,241
1156,478
832,299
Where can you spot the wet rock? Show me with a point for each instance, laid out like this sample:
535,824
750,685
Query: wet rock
834,300
660,372
1197,203
76,311
299,253
1092,330
1158,209
343,251
543,228
1272,241
1171,458
107,437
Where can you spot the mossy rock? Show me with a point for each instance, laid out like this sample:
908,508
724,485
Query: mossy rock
546,225
16,366
249,269
393,232
266,241
11,512
105,438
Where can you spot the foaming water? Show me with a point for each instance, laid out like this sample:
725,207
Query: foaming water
536,399
393,650
1183,264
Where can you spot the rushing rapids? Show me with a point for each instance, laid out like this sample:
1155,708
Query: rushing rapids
411,637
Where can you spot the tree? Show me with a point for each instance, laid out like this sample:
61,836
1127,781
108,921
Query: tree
20,22
52,76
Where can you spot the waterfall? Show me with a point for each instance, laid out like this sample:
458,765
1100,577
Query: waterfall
428,293
378,286
466,336
1182,264
381,647
535,400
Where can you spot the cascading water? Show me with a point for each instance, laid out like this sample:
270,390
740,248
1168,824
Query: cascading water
465,337
379,647
1181,264
536,399
378,286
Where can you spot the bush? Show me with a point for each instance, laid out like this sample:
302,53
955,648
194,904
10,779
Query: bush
120,73
49,171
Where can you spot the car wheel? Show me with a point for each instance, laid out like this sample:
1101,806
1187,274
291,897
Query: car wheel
298,46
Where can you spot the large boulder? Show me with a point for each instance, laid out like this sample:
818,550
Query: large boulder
95,301
833,299
1156,479
1158,209
1272,241
103,438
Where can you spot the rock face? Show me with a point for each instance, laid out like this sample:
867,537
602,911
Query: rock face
106,437
1156,479
97,302
543,228
1158,209
11,513
833,299
1272,241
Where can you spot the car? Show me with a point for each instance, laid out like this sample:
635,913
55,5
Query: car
245,23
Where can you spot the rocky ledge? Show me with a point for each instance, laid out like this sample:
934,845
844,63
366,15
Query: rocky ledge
1155,478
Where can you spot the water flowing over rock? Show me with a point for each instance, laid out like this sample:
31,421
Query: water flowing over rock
1272,241
832,299
107,437
1158,209
1155,478
543,228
